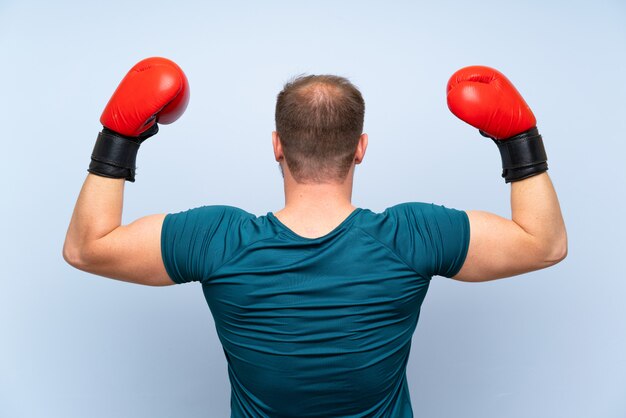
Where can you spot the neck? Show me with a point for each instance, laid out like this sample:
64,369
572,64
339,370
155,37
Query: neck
315,209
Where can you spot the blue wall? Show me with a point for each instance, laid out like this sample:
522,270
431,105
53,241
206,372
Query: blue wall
547,344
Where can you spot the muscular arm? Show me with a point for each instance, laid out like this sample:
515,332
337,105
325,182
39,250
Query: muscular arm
534,237
154,90
96,241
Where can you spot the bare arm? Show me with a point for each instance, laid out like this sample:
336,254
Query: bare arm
96,241
155,89
534,237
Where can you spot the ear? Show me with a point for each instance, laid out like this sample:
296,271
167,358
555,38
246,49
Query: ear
361,147
278,148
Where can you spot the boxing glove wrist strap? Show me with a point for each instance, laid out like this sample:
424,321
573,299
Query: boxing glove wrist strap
523,156
114,155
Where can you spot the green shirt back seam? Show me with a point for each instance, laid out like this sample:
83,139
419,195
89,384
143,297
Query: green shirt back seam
389,249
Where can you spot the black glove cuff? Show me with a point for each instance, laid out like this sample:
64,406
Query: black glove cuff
523,155
114,156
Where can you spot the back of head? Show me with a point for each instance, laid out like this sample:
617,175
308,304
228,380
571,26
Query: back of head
319,119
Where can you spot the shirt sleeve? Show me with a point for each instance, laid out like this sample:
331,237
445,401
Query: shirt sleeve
196,242
432,239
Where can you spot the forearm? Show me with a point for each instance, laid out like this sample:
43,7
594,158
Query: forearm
97,213
535,208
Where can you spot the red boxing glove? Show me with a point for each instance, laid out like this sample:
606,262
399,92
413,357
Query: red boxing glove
484,98
154,91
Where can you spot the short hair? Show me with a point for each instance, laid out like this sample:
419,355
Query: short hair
319,119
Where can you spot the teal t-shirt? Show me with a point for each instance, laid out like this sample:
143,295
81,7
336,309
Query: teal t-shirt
316,327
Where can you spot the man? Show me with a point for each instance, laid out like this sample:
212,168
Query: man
315,304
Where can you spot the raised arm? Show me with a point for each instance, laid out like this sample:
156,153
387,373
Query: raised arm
154,90
535,236
97,243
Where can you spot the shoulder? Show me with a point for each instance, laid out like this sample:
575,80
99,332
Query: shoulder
411,211
211,211
208,215
432,239
391,221
421,208
234,223
410,220
204,219
420,213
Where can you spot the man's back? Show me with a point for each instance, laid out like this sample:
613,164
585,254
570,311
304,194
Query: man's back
316,327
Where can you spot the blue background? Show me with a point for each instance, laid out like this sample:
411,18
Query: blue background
547,344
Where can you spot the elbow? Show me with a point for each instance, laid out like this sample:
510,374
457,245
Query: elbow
73,255
557,251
